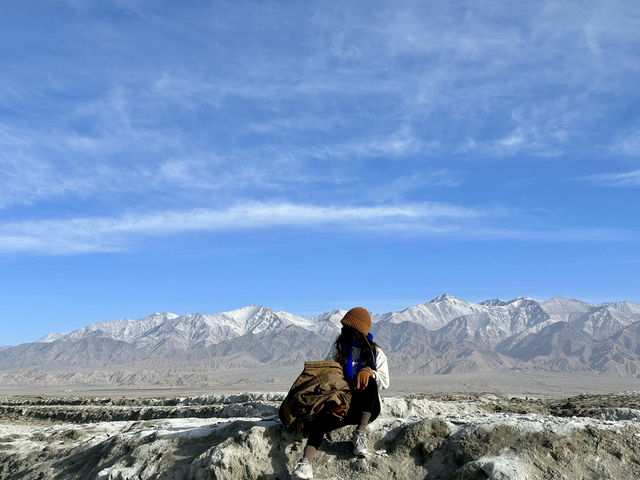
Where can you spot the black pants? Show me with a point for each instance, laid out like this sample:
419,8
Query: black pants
365,400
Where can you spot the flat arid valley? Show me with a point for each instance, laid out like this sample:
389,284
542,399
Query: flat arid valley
228,436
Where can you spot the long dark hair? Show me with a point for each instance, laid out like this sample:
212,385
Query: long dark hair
368,349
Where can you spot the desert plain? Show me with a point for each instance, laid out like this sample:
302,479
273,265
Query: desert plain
485,426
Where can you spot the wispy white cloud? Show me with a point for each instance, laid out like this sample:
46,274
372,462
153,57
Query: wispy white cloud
126,232
391,146
397,188
628,144
79,235
620,179
25,179
541,130
389,94
460,66
551,234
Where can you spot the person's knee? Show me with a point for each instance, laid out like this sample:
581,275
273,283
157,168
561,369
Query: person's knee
372,385
371,388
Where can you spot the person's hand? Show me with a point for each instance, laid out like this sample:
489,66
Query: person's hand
362,380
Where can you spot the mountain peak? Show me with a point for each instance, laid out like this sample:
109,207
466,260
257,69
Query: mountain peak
51,337
445,297
166,315
251,307
520,300
495,302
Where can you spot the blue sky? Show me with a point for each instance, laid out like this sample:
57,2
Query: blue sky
200,156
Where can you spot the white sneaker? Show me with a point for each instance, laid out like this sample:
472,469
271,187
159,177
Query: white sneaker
302,469
360,443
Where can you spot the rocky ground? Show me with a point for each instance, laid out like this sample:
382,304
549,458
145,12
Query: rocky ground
433,436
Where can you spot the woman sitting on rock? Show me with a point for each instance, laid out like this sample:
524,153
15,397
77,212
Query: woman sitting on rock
365,368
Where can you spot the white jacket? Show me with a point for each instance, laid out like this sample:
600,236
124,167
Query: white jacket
381,373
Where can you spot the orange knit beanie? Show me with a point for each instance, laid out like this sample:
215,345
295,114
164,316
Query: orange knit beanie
357,318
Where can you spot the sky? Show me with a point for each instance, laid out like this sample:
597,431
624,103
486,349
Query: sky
200,156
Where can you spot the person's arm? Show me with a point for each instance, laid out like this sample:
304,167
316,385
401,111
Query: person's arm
381,373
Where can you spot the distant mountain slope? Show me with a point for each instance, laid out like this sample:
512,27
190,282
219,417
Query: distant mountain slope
444,335
87,352
618,354
563,309
628,308
558,340
602,321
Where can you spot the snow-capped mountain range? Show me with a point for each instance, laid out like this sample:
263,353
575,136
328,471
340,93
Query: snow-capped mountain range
493,320
443,335
197,330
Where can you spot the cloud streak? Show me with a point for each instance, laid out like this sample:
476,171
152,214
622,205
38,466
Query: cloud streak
104,234
175,109
621,179
123,233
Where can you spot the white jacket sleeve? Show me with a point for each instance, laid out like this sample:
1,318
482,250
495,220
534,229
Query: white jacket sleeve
381,374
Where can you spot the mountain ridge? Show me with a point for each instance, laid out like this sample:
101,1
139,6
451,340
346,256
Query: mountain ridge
444,335
449,312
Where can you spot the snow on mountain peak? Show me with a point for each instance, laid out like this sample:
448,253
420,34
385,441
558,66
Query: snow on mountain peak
445,297
628,308
564,309
602,321
521,299
433,314
125,330
491,321
51,337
